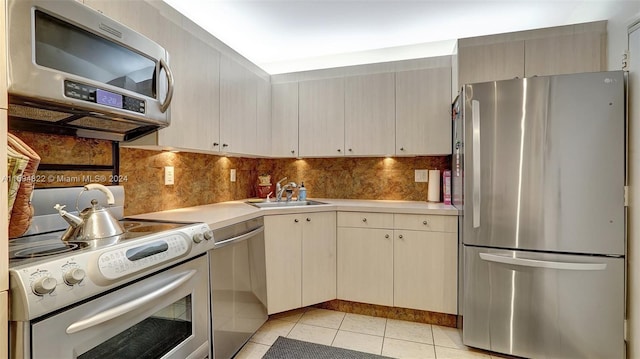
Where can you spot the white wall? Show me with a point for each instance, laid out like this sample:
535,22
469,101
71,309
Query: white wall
620,16
619,41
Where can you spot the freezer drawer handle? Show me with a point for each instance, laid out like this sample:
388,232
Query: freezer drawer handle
127,307
475,119
541,264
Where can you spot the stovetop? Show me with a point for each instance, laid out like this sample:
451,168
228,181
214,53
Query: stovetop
49,246
47,274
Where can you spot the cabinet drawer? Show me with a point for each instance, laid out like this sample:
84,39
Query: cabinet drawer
365,220
424,222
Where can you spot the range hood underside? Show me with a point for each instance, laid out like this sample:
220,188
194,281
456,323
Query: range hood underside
39,116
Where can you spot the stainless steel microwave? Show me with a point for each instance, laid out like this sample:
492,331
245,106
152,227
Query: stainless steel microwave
72,70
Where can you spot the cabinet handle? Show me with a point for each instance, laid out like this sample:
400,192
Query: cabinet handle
216,144
400,236
293,151
386,236
296,220
225,145
425,223
350,150
401,148
308,219
364,220
339,150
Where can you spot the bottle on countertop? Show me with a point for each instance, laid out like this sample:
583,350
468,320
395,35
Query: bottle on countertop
302,192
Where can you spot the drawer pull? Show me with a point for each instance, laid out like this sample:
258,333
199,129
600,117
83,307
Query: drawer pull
308,219
400,236
364,220
296,220
425,223
386,236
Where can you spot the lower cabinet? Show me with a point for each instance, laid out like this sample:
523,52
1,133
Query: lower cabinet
365,265
300,251
411,263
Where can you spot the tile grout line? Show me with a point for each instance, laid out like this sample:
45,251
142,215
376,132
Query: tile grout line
433,340
337,330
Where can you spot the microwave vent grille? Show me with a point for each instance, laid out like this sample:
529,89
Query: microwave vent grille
36,113
104,124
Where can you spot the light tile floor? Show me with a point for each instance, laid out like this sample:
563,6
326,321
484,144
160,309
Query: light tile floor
389,337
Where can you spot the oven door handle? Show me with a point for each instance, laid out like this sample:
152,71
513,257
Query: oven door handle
129,306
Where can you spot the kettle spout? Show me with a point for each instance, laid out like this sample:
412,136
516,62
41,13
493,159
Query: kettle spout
74,221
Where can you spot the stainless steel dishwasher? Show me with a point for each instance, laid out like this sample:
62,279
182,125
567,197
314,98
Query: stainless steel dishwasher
238,285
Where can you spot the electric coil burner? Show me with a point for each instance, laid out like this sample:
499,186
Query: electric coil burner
91,298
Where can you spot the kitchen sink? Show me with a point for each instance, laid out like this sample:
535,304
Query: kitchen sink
282,204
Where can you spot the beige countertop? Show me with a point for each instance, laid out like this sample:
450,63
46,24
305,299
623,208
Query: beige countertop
222,214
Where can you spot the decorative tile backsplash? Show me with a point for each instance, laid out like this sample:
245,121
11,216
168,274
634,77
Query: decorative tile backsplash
204,179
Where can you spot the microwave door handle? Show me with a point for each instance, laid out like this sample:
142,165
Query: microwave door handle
127,307
167,101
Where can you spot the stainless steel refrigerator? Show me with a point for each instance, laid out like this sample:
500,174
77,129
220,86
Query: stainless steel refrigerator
539,174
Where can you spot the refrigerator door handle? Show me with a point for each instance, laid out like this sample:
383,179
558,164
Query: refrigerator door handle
542,264
475,120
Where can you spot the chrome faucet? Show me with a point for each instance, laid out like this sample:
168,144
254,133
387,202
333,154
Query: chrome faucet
281,189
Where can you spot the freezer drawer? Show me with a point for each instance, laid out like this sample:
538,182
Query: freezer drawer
539,305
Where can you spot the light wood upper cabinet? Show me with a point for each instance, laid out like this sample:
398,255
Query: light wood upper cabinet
566,54
370,115
423,112
195,109
322,117
491,62
238,101
284,117
3,58
540,52
263,113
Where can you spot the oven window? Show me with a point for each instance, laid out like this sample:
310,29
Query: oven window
65,47
151,338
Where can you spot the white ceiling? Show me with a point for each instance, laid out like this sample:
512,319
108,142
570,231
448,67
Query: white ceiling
298,35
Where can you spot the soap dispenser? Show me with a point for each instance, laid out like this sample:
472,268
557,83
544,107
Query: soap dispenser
302,192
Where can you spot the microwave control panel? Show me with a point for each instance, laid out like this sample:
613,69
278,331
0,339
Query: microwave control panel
93,94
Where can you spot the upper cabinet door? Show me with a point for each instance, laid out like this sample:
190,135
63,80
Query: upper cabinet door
370,115
263,114
284,118
321,131
423,112
566,54
490,62
195,109
238,101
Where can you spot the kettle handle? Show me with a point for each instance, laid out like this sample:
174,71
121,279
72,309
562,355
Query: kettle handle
110,199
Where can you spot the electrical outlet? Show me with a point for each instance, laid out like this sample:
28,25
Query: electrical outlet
422,175
168,176
233,175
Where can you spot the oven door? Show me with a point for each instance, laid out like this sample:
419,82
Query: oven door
162,316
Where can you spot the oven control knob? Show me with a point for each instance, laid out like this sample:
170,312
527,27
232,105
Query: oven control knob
74,276
197,238
208,235
44,285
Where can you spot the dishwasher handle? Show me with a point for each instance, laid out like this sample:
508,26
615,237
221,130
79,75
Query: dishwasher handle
130,306
239,238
